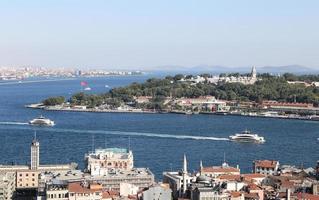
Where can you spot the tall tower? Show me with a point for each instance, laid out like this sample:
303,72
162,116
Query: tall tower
253,73
200,167
35,151
184,174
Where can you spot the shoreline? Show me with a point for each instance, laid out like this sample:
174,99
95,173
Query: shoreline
92,110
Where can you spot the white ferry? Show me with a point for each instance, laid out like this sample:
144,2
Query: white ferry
42,121
247,136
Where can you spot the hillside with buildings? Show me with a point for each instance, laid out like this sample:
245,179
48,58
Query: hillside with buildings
227,93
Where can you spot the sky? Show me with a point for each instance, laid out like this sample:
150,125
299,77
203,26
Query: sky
151,34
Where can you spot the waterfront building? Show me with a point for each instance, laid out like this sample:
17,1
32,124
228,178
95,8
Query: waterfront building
267,167
101,160
7,185
204,103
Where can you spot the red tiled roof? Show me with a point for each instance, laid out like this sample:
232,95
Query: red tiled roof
274,103
287,184
250,177
266,163
77,187
251,195
230,177
235,194
306,196
220,169
253,186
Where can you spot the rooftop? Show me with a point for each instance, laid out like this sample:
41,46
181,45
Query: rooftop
220,169
81,187
266,163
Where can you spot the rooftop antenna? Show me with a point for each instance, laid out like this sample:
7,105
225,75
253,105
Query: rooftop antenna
224,157
129,143
171,166
35,135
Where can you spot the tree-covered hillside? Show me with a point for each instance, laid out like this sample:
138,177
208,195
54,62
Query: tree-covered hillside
268,88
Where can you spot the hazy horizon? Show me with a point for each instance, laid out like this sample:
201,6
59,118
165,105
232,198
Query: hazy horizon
148,35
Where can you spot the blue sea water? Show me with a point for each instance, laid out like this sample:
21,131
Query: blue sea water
158,141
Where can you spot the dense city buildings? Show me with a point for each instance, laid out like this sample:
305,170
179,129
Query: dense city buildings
110,175
20,73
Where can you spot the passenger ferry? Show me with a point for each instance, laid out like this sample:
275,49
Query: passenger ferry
247,136
42,121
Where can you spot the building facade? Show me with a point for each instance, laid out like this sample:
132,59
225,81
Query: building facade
7,185
101,160
266,167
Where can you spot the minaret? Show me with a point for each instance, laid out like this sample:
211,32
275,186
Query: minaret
184,174
200,167
253,73
35,150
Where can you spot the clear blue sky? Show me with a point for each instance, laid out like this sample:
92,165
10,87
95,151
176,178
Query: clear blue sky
146,33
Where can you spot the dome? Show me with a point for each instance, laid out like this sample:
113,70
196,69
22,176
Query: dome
202,179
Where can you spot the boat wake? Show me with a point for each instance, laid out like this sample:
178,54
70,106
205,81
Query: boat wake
14,123
140,134
123,133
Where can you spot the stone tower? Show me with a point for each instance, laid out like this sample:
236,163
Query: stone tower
35,151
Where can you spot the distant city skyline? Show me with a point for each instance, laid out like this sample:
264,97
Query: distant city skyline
148,35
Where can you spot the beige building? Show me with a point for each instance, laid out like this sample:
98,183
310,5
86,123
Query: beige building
27,179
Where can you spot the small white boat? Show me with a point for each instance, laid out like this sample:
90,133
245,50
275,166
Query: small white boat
247,136
107,86
42,121
87,89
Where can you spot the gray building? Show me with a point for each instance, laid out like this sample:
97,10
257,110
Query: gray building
157,192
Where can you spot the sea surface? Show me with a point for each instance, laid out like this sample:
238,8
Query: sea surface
158,141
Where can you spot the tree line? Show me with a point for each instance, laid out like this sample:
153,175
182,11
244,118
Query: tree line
267,88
